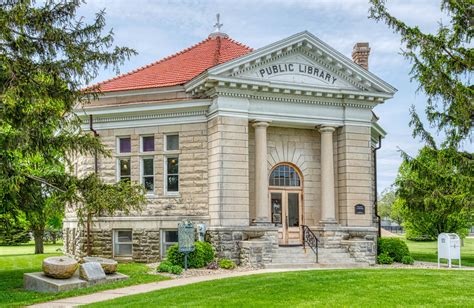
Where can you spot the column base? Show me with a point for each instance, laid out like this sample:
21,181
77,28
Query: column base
331,222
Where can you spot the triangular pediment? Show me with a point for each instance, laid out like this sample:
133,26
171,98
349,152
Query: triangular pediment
301,63
297,69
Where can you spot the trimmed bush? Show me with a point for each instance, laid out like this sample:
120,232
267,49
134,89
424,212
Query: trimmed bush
202,255
384,259
164,267
408,260
394,247
227,264
176,269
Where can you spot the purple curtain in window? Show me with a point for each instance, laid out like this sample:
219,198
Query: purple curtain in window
125,145
148,144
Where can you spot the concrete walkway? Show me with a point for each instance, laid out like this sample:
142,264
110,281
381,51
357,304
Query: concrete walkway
160,285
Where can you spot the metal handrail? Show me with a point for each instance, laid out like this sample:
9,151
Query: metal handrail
310,239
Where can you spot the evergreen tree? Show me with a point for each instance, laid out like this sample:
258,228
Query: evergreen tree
434,189
47,57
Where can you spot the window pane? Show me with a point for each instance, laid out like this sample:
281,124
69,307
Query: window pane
172,142
149,184
148,143
123,249
293,210
124,236
284,176
172,183
276,207
148,166
172,165
125,145
124,167
171,236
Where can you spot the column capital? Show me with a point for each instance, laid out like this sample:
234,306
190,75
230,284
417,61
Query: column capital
327,129
261,123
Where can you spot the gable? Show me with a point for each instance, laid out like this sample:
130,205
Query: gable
301,63
297,69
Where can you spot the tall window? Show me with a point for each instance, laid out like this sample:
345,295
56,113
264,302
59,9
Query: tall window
148,177
124,173
123,243
172,174
171,163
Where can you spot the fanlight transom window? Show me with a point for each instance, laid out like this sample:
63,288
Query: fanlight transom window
284,175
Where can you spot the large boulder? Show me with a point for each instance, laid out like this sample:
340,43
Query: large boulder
59,267
108,265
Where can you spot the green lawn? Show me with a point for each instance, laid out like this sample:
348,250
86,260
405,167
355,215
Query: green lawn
428,251
331,288
14,261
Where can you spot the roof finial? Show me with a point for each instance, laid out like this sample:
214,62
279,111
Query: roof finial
218,25
217,28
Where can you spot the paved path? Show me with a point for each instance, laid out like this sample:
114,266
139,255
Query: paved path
160,285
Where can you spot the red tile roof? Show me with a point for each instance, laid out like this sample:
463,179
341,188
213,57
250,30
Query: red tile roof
179,68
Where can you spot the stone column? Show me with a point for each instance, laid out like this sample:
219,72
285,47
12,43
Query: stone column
328,210
261,173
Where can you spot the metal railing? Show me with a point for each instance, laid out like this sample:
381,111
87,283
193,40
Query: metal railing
310,239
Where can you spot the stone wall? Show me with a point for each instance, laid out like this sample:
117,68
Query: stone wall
228,171
251,245
145,247
355,178
193,167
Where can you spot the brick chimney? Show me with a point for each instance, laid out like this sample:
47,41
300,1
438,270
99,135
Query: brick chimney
360,54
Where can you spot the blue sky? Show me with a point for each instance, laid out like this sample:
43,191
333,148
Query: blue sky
159,28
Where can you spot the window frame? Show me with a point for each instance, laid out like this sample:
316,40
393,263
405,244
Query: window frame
163,242
142,144
142,175
118,173
165,145
166,174
115,242
118,145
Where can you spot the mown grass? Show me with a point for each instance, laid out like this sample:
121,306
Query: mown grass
428,251
17,260
328,288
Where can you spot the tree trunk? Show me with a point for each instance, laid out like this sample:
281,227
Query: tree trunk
89,244
38,236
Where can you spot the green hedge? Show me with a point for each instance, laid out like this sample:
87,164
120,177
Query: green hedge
393,247
202,255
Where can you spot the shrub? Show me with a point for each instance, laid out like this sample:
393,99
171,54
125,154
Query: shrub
176,269
226,264
408,260
201,256
384,258
165,267
394,247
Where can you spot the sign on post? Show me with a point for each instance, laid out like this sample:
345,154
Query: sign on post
186,239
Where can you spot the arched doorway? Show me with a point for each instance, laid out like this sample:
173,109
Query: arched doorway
286,202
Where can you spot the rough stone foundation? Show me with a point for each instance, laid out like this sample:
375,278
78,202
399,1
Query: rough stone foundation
244,245
360,242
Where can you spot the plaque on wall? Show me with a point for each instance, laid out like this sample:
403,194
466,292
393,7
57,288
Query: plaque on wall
359,209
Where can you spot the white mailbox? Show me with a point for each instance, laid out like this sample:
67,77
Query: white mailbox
449,247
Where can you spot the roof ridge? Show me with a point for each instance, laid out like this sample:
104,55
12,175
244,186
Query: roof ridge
217,53
153,63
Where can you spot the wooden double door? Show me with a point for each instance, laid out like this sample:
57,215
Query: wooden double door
287,213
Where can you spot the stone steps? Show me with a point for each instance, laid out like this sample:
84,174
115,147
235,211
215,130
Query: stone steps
298,257
315,265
